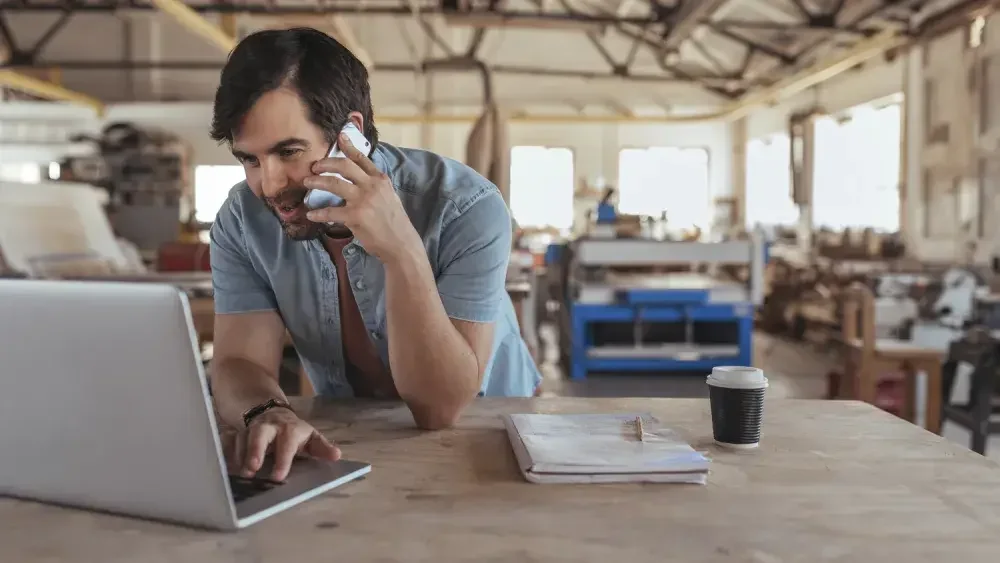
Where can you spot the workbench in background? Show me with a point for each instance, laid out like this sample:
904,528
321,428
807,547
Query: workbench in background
628,309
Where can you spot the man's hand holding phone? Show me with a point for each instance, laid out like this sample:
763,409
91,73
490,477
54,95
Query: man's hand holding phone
372,209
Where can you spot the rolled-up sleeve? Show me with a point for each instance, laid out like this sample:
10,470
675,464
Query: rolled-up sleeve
238,287
473,255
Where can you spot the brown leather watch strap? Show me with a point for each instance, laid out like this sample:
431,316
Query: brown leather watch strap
260,409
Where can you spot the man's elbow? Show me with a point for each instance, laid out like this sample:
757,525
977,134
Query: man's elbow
438,416
435,420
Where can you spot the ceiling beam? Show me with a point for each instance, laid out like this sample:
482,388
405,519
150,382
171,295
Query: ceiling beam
803,11
774,11
755,45
396,67
818,72
689,16
949,19
864,50
624,7
47,90
528,18
195,23
483,19
758,25
336,25
619,108
342,32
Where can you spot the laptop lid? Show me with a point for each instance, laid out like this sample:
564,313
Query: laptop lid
104,404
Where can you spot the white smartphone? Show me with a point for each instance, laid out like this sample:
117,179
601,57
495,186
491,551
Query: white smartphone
316,199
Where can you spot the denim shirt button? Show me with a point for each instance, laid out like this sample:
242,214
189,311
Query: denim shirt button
359,284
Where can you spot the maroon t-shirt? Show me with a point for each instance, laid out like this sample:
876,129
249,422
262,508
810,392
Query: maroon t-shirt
363,367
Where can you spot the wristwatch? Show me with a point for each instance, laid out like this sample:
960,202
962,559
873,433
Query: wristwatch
257,410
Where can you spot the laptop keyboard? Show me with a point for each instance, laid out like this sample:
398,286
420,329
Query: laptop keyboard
246,487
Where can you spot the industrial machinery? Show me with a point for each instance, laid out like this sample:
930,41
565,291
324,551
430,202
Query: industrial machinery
144,171
637,304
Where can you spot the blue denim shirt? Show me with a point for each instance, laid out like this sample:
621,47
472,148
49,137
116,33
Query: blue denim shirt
466,230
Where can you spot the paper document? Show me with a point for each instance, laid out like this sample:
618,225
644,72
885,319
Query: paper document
601,448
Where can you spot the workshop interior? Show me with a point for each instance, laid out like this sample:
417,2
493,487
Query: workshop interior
808,187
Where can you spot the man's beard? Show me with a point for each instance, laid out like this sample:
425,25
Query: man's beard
298,227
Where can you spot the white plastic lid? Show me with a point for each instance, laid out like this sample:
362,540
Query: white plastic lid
737,377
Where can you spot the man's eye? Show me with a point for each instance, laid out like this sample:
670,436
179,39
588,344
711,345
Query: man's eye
288,153
249,161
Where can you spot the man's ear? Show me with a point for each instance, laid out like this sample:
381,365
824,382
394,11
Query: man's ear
357,119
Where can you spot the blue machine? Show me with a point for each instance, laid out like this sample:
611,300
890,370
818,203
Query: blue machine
684,321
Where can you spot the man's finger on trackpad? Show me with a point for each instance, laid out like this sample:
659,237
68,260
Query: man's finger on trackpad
285,449
257,442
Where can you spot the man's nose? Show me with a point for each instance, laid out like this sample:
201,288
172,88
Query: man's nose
273,178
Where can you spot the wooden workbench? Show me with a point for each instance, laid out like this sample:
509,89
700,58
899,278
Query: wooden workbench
832,481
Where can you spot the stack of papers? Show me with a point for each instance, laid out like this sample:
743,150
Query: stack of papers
601,448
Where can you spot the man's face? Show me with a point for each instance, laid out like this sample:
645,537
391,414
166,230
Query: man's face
277,145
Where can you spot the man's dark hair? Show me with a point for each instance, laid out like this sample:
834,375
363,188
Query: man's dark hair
331,81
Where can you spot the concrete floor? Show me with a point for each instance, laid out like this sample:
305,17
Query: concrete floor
794,370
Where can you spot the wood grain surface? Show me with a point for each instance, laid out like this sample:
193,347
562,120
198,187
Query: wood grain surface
832,481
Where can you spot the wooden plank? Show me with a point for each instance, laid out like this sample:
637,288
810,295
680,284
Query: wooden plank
831,481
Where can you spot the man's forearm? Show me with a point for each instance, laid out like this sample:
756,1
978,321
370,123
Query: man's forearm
435,370
238,384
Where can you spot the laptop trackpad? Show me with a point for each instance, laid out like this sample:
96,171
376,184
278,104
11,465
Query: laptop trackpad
307,478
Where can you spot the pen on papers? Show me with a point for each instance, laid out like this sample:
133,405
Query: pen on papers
638,428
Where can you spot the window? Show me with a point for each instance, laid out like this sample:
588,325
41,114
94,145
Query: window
211,188
769,182
26,173
856,175
672,179
541,186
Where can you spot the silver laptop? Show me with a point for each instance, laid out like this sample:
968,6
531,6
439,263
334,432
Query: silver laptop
104,405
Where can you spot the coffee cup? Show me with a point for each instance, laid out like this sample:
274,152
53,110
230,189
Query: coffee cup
736,398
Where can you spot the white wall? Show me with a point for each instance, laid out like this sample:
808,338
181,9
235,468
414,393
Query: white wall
941,220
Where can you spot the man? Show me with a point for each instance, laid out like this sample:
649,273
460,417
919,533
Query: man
398,293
